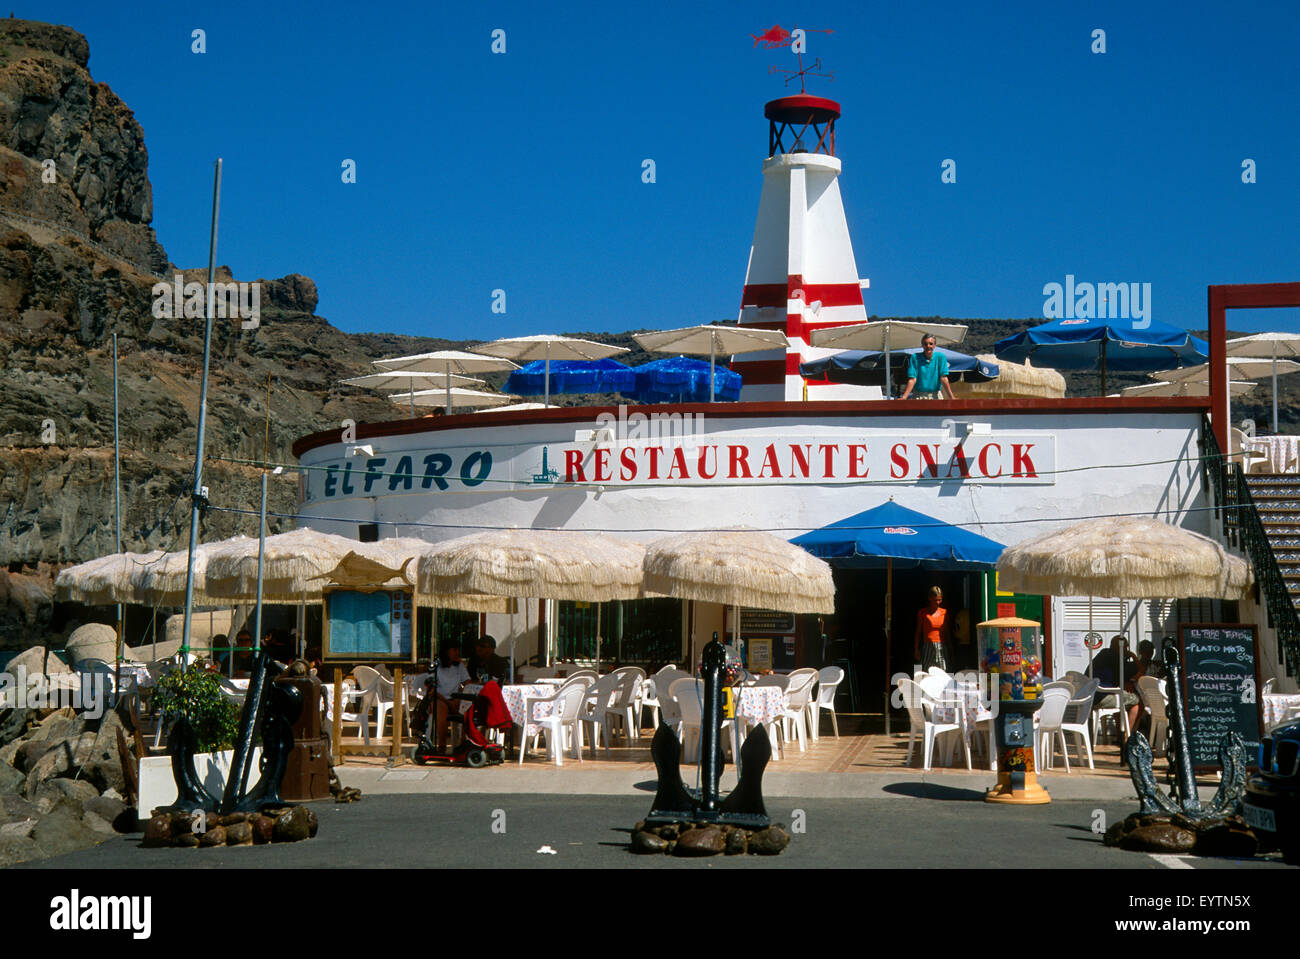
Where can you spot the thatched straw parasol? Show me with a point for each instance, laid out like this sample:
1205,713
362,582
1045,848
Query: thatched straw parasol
739,567
1124,557
1014,380
162,581
551,564
295,564
105,581
391,563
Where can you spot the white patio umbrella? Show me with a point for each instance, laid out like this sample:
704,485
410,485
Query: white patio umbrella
452,397
1241,368
1274,346
877,334
446,362
409,379
1185,388
547,347
712,340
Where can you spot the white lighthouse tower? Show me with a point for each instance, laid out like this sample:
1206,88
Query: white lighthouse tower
802,275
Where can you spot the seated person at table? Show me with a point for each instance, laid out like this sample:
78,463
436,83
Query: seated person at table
243,654
487,664
1148,664
452,674
1106,669
220,655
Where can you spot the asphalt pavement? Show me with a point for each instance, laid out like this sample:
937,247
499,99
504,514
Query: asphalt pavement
911,825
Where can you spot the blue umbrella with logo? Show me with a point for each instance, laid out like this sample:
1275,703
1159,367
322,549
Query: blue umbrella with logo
891,533
1098,343
681,379
571,376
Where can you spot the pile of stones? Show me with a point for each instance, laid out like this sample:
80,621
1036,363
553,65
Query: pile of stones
707,839
62,787
1141,832
206,830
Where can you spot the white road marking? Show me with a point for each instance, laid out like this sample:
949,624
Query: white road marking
1172,862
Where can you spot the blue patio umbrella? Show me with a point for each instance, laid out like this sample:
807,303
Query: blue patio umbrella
868,366
571,376
1084,344
889,534
681,379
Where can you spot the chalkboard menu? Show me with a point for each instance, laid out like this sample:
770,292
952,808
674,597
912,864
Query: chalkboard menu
1220,688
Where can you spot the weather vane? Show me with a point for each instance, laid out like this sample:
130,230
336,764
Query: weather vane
796,39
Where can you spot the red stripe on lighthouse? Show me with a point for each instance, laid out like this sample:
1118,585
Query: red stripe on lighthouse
777,294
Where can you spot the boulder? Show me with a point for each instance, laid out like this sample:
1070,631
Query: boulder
98,824
30,752
19,829
17,850
216,836
91,641
61,724
51,791
644,842
13,724
158,831
294,825
11,780
105,807
737,842
64,829
1230,838
769,841
34,660
239,833
1159,837
703,841
263,828
69,756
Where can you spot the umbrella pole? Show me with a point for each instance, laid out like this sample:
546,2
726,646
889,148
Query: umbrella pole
1103,368
713,392
117,480
889,598
889,395
546,381
261,559
1230,393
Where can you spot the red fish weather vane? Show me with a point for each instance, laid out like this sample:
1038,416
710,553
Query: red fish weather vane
796,39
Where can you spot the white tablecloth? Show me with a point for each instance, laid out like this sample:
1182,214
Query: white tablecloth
961,703
515,696
1280,708
1282,452
759,705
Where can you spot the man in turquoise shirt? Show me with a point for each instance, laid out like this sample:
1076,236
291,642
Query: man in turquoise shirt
927,373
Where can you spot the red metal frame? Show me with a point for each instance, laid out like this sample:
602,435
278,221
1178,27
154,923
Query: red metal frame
1236,296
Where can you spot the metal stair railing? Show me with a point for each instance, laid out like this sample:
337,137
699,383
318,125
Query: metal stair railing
1244,530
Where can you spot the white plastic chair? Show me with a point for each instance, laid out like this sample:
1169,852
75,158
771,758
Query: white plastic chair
689,696
828,681
653,690
596,706
798,695
1153,698
1050,716
568,700
935,684
775,679
919,711
369,685
1078,719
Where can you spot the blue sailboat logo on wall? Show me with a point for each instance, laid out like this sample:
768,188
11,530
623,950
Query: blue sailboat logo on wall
546,475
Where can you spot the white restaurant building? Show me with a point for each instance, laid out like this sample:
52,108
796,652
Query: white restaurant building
1008,469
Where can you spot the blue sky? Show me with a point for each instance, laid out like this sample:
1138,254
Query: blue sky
522,171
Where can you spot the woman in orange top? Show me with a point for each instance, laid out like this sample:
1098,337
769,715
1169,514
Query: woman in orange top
930,645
